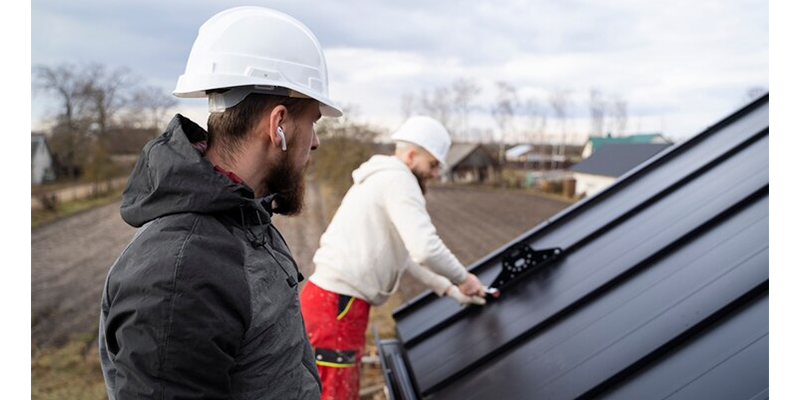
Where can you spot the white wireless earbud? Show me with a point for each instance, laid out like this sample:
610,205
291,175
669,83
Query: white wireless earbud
283,138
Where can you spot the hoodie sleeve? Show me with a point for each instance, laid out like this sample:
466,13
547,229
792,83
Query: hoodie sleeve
433,281
405,206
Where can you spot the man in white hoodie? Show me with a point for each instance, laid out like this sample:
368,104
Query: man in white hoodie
380,230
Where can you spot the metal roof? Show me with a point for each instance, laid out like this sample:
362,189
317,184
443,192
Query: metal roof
615,159
598,141
661,289
518,150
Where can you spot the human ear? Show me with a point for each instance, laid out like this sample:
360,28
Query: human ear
276,133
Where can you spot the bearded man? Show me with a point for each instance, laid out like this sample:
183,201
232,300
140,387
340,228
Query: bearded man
380,230
203,303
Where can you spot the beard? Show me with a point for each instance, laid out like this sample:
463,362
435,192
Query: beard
421,180
288,184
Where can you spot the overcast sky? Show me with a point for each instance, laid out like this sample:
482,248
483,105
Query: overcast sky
680,65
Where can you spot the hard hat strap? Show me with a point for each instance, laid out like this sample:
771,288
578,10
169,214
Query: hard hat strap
219,101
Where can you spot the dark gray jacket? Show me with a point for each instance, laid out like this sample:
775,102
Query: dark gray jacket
203,302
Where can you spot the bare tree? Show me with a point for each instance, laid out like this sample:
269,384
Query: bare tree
107,94
560,102
92,100
535,119
620,116
464,93
535,122
347,144
437,105
503,112
150,107
68,85
597,108
441,102
485,136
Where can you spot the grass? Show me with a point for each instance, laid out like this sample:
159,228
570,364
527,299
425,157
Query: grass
68,372
39,217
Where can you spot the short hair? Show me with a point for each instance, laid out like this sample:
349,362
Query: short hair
227,130
403,146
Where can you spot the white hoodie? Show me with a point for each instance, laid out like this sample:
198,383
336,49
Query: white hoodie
380,230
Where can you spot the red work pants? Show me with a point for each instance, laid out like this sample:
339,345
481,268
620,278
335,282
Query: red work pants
336,326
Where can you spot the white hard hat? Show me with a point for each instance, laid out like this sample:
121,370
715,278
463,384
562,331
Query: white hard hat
427,133
255,49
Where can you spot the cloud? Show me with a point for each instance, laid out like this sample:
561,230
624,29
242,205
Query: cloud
663,58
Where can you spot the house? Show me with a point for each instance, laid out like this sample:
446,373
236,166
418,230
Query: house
470,163
595,143
541,156
657,287
608,163
42,168
519,152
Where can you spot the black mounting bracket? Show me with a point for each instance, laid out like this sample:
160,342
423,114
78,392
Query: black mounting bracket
521,260
517,262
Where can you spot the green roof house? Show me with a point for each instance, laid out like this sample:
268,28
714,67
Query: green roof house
644,138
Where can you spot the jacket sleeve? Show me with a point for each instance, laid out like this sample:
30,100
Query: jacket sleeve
405,206
177,317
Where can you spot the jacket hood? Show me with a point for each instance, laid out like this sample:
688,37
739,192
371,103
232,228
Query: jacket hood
172,176
376,164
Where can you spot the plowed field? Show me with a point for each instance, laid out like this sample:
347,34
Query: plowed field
70,257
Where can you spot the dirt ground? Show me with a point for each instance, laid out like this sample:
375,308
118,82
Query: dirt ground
69,261
70,257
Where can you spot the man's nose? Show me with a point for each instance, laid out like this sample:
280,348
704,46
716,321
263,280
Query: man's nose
435,173
314,141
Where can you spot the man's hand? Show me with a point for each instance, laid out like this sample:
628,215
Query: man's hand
471,286
455,293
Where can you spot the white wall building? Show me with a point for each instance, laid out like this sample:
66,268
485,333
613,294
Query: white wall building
608,163
42,169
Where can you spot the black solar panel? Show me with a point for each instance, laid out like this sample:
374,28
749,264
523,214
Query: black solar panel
653,269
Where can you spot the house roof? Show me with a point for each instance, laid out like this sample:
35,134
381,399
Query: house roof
598,141
36,141
518,150
459,151
615,159
660,288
